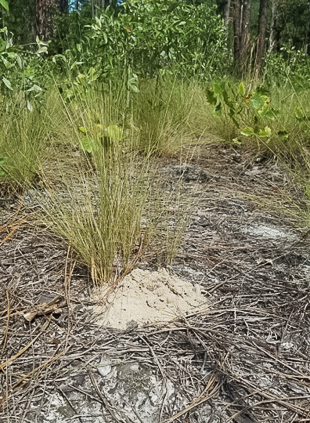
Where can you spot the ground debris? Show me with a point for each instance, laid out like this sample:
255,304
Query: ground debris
245,359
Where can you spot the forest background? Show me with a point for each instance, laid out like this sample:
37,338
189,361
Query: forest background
90,88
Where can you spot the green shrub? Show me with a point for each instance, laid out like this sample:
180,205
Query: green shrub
149,38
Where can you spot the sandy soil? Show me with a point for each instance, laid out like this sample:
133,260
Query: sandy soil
243,358
147,297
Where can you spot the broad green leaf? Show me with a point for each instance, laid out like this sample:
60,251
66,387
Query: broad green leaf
237,141
82,129
19,61
299,113
132,86
29,106
7,83
241,89
35,88
133,82
114,132
4,4
6,63
282,134
105,37
211,97
267,111
89,144
3,45
265,133
258,101
227,100
247,131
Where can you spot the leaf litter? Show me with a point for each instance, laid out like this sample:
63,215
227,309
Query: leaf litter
245,358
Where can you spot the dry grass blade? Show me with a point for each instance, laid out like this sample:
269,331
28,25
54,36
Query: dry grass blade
14,227
258,319
209,392
5,335
28,375
12,359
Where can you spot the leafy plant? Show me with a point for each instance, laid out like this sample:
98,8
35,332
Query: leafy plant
99,136
4,4
144,39
251,110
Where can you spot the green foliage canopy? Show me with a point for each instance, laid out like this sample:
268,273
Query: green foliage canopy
152,37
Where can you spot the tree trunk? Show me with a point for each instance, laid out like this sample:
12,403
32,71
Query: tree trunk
260,47
245,32
46,12
44,18
272,24
241,18
227,13
237,30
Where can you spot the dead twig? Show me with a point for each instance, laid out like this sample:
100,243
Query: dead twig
12,359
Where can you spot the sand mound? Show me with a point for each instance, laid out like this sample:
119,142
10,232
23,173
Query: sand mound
147,297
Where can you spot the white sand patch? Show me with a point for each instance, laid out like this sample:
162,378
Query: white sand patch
270,232
147,297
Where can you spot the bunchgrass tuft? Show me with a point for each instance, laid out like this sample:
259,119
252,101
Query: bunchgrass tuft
104,204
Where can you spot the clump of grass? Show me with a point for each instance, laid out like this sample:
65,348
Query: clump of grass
95,155
100,215
21,142
29,137
168,222
103,209
168,115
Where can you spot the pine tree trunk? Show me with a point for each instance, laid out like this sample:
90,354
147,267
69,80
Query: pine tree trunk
272,24
46,12
260,47
227,13
245,32
44,18
237,30
241,18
